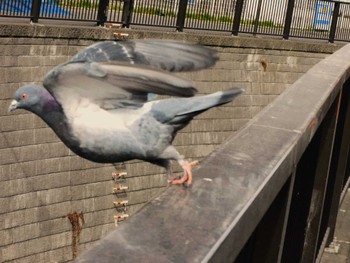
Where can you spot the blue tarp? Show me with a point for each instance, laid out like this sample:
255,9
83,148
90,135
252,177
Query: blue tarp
48,7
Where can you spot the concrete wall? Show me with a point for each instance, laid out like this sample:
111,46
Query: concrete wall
42,183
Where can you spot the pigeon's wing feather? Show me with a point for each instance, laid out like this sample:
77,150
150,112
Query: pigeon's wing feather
169,55
116,74
107,51
112,85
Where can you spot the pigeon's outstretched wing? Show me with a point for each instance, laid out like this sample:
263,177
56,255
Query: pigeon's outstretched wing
115,75
111,85
97,102
169,55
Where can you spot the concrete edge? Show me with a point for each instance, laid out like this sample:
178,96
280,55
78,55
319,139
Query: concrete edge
25,30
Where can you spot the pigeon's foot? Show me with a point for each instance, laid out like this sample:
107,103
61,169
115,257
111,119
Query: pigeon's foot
187,178
173,178
183,179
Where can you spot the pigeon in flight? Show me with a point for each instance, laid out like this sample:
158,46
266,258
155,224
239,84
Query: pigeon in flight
102,105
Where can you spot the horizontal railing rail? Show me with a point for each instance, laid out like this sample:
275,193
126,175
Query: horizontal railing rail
316,19
268,194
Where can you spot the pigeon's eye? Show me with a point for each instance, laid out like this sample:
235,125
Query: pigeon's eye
24,96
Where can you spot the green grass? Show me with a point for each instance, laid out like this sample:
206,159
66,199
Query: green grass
205,16
225,19
260,23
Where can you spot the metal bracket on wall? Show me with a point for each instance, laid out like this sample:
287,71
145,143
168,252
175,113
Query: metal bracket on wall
119,176
120,217
121,36
120,190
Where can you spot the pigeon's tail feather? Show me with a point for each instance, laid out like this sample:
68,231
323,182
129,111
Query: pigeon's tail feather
190,107
229,95
203,103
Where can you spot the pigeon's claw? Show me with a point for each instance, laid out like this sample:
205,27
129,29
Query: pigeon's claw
173,178
187,178
183,179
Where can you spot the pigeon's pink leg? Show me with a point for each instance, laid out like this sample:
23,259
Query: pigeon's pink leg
170,174
187,172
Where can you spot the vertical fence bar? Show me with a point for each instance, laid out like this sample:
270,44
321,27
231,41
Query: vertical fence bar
102,12
237,17
35,12
257,18
342,30
127,12
288,20
334,22
181,15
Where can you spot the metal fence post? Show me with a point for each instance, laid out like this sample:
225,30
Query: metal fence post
237,17
127,12
102,12
334,22
288,20
35,12
181,15
257,18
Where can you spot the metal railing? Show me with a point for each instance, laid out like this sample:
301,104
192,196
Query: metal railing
269,194
316,19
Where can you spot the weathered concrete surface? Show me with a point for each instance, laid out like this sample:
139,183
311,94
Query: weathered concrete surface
42,181
339,251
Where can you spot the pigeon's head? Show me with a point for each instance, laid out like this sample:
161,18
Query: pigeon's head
30,97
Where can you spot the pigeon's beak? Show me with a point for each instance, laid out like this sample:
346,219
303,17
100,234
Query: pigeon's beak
13,105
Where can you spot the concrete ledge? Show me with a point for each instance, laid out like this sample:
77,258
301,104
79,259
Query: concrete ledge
214,39
234,187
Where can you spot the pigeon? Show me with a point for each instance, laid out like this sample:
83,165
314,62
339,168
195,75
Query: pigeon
102,102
